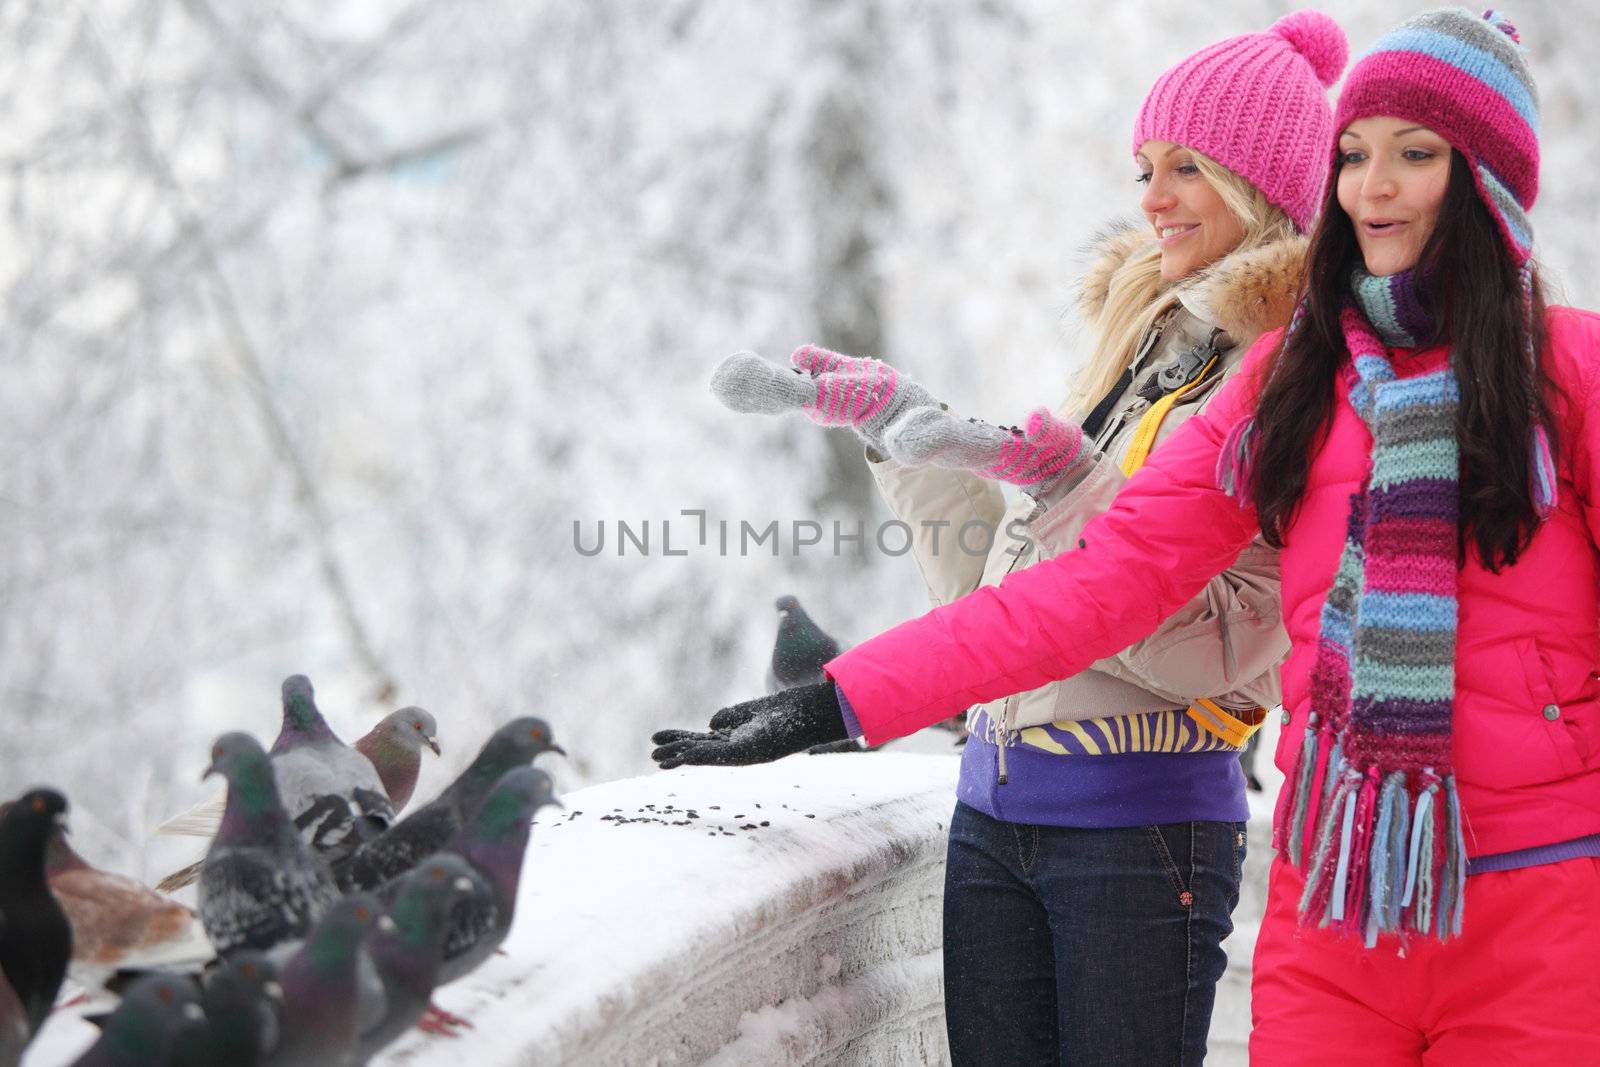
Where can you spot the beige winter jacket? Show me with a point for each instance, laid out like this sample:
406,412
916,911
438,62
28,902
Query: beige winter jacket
1227,643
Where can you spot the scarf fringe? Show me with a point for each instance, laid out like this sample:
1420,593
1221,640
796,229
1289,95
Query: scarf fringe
1390,855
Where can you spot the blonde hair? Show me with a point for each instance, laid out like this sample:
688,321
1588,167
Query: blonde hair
1137,296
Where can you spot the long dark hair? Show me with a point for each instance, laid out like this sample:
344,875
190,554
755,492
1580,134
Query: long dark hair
1474,292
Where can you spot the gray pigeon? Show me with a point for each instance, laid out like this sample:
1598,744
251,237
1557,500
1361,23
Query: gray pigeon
259,884
407,950
322,996
493,844
394,748
241,999
431,827
330,790
800,650
141,1032
35,937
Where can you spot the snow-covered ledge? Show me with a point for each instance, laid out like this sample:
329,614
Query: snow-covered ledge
793,919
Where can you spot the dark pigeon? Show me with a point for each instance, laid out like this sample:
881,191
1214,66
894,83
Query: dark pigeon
432,826
493,844
141,1032
259,884
35,937
241,999
321,982
394,748
800,650
408,946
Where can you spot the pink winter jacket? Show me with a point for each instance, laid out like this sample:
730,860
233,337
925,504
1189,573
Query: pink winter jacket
1526,728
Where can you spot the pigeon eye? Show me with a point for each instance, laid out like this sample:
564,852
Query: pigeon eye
417,726
362,913
166,994
38,803
537,734
249,971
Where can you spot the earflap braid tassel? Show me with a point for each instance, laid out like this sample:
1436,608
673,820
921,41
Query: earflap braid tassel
1236,461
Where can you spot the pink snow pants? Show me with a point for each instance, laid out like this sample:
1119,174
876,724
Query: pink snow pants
1519,988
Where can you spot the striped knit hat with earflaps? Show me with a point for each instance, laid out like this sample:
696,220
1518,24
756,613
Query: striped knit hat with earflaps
1463,77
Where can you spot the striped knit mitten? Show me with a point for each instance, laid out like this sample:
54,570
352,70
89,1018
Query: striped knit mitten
865,395
1051,448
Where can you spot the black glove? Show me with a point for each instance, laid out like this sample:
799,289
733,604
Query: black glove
758,731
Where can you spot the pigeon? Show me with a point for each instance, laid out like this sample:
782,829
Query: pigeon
241,999
322,994
406,951
800,650
332,793
35,938
431,827
493,843
319,779
117,923
141,1032
394,748
259,884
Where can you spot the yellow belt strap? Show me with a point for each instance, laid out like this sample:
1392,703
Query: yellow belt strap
1213,719
1144,437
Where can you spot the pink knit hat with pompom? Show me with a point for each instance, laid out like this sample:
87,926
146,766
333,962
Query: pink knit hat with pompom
1258,105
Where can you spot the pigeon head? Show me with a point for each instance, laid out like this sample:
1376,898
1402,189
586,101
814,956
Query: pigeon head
514,800
422,910
413,727
787,603
240,759
336,938
153,1010
299,704
27,826
515,744
244,978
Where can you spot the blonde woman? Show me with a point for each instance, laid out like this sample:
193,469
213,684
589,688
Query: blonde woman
1095,850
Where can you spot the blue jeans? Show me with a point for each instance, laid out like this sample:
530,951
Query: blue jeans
1068,946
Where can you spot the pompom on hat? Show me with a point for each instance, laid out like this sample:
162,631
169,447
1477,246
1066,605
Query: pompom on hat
1258,105
1463,77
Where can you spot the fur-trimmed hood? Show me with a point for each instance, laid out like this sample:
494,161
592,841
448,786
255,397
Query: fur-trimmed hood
1246,293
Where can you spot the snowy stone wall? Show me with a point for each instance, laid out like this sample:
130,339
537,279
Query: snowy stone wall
785,914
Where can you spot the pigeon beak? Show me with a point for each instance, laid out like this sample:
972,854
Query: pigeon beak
211,768
193,1012
433,743
273,990
557,749
463,885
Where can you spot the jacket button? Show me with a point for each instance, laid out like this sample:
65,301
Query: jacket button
1286,717
1552,712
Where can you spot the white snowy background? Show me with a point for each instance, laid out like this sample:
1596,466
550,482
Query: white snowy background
325,323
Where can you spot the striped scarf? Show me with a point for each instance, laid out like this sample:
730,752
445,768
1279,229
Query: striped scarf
1389,853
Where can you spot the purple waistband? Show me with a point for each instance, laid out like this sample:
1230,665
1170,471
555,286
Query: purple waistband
1538,856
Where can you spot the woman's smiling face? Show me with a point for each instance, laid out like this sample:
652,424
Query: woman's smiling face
1193,225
